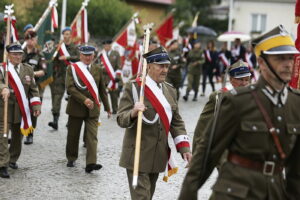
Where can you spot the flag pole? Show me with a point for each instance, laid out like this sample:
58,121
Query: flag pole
147,29
9,11
83,5
52,3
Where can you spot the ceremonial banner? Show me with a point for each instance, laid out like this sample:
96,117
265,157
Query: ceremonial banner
14,32
54,19
165,30
46,41
80,28
128,48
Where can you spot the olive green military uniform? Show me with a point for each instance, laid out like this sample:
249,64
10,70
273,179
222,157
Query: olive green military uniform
115,61
154,141
14,113
59,75
174,75
195,60
37,61
242,130
78,113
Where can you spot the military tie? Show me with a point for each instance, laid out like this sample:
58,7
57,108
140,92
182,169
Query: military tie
17,69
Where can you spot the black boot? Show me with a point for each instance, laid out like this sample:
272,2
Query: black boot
29,139
3,172
90,167
186,96
195,96
54,124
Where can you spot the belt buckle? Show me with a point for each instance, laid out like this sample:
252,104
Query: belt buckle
267,166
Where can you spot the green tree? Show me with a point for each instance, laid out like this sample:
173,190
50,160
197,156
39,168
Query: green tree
186,11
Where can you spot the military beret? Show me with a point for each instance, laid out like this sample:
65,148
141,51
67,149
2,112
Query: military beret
87,50
28,26
30,34
14,48
67,28
109,41
157,56
239,69
276,41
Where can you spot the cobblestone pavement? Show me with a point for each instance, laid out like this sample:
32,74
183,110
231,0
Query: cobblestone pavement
43,174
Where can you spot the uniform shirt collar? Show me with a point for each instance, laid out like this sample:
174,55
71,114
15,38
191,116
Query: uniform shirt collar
275,96
159,85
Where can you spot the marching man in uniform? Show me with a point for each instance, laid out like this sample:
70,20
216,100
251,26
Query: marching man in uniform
84,84
23,99
160,116
259,125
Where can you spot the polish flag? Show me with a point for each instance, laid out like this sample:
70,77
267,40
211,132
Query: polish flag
14,32
54,19
128,48
165,30
80,28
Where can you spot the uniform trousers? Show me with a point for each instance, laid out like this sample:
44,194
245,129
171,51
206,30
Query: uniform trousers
145,187
114,96
57,92
91,140
15,146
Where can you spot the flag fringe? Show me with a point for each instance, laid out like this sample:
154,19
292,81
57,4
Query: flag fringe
44,83
27,131
170,173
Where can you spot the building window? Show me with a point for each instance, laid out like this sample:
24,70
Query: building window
259,22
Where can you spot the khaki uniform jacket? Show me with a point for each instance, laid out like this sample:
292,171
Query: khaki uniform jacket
75,106
31,90
115,61
242,130
195,56
176,59
154,146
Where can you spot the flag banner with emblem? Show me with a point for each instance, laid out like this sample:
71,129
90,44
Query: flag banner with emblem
128,48
80,28
46,42
295,81
14,31
165,30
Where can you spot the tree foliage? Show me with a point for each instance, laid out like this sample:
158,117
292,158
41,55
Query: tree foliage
105,17
186,11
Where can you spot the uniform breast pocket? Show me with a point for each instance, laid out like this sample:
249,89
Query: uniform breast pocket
293,129
254,127
228,190
26,80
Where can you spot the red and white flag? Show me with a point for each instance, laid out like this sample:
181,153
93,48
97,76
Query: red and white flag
14,32
161,105
54,19
80,28
128,48
165,30
16,84
110,71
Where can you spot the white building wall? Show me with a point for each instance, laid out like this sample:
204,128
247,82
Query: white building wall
277,13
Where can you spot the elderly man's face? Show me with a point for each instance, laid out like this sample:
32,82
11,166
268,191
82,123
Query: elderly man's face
15,58
240,82
158,72
86,59
282,65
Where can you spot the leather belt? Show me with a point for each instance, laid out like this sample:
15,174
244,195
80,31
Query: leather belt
268,168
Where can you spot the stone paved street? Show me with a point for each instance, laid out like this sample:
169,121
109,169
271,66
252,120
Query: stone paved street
43,174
